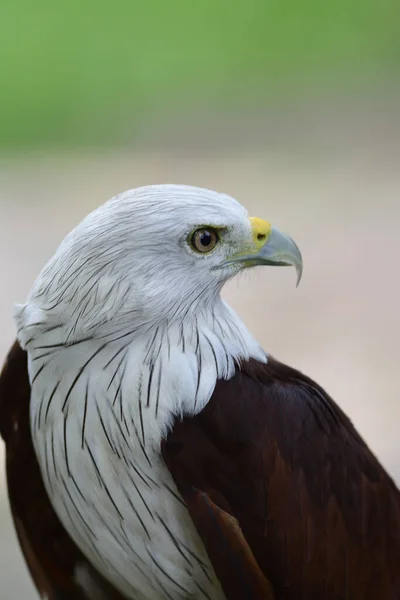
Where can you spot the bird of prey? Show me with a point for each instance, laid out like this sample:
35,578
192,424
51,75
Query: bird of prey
154,450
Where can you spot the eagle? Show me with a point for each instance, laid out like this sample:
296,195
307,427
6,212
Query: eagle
154,450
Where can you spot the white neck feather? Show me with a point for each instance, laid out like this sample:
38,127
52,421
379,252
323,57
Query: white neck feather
148,376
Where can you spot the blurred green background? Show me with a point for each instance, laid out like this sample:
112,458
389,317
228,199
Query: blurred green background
291,106
94,73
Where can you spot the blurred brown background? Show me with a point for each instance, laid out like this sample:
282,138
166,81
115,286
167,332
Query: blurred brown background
294,111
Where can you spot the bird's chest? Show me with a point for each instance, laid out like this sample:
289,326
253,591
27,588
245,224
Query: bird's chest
98,417
119,503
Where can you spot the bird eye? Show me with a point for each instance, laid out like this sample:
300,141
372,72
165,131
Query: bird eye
204,240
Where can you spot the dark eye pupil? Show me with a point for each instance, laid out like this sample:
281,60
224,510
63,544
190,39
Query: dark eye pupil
205,238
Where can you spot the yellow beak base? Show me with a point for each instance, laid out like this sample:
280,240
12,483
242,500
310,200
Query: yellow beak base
261,231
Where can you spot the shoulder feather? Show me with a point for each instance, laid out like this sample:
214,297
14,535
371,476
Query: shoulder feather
319,513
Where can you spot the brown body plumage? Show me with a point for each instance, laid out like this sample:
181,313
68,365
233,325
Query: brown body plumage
288,499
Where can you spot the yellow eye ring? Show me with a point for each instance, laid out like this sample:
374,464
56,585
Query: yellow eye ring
204,240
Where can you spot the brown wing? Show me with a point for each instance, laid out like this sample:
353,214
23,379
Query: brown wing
51,555
316,511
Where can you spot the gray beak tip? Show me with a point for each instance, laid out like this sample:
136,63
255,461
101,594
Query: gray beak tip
299,273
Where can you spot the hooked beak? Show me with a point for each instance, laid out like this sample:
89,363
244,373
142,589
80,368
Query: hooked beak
270,247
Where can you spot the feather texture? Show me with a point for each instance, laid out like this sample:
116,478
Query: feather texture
317,510
52,557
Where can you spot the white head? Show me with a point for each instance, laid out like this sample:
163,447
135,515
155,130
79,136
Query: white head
131,298
152,254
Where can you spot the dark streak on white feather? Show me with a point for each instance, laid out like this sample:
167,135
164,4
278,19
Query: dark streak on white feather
81,370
